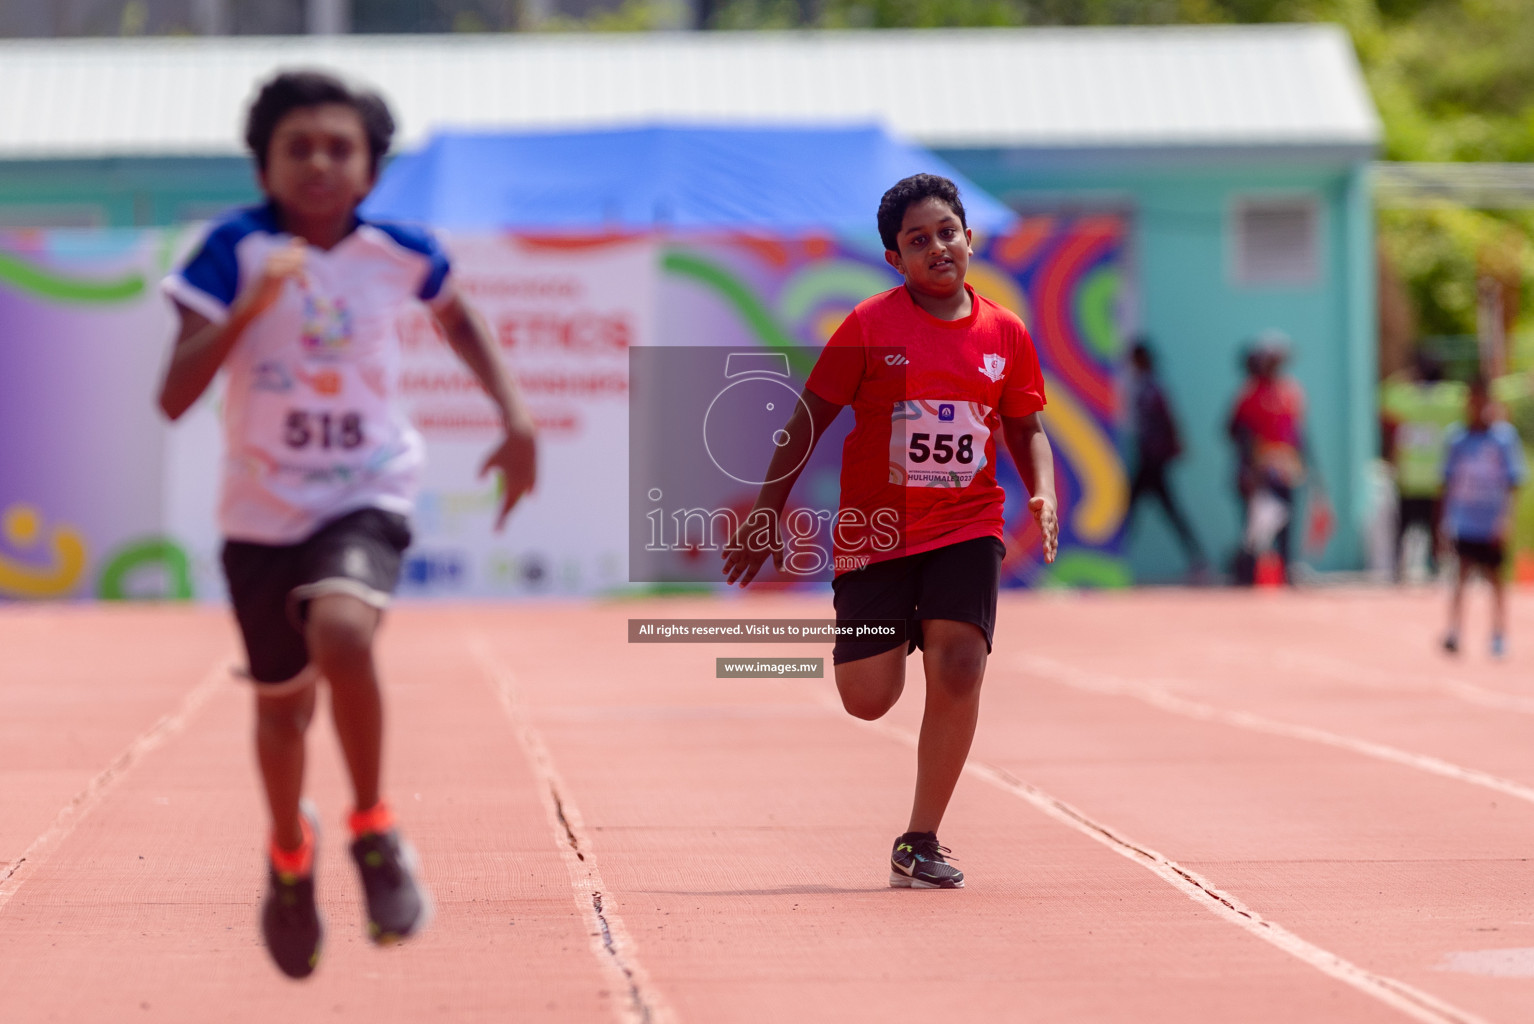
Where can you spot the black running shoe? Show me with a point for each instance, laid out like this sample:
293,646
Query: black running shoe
290,922
398,906
918,863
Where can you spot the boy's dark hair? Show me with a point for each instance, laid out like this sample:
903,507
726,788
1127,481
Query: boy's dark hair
910,190
292,90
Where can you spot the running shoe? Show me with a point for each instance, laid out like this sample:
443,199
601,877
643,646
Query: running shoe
398,906
290,922
917,863
1451,643
1498,646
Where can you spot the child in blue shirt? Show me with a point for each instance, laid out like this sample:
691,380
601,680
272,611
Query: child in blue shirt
1482,472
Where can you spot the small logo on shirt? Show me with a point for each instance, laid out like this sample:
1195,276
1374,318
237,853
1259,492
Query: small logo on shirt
323,382
995,367
272,376
895,360
945,413
327,325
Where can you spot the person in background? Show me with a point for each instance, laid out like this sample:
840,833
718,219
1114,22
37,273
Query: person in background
1267,424
1417,409
1483,469
1157,445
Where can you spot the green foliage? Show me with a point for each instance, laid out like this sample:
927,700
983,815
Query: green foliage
1440,252
749,14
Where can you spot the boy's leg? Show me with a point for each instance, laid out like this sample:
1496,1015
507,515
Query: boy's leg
281,722
870,674
352,567
1496,576
954,656
869,687
340,630
1457,602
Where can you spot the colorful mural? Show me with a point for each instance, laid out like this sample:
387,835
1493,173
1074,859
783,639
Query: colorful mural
99,498
80,486
1061,275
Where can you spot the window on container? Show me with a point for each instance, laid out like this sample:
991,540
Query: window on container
1277,241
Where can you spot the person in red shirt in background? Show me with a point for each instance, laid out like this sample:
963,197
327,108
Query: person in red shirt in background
1267,425
934,373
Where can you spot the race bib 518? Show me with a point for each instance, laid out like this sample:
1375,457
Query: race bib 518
937,442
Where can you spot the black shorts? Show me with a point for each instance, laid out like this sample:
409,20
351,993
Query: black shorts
270,585
1484,554
957,582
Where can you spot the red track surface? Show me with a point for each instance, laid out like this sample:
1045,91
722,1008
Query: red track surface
1182,807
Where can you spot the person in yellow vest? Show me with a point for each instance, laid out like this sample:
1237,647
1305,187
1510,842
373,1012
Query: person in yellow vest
1417,409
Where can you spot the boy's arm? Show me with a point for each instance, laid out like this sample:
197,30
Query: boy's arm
1035,461
516,456
758,535
202,345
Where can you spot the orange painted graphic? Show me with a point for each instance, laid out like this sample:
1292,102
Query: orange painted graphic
22,527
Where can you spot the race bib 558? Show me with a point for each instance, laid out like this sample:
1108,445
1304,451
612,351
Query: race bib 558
937,442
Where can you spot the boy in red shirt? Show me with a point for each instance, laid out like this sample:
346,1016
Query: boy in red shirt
933,372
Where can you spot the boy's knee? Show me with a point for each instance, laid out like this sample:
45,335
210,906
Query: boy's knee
285,717
956,662
866,706
340,628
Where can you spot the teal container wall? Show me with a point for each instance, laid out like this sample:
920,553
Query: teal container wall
124,191
1185,296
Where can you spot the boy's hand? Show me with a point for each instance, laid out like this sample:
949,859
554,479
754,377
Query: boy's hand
749,546
517,459
282,266
1043,510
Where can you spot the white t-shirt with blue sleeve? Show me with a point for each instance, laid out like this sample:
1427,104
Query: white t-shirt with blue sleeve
311,426
1480,471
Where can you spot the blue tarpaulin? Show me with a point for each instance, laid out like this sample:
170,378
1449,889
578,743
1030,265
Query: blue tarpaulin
780,179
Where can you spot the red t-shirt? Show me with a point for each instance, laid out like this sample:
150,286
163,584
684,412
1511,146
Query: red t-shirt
928,395
1272,411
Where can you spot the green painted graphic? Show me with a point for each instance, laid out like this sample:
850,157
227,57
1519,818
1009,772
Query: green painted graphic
131,558
51,285
1087,569
1094,312
745,302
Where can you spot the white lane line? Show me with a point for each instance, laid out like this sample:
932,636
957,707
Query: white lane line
611,944
1416,1004
1165,700
15,874
1373,678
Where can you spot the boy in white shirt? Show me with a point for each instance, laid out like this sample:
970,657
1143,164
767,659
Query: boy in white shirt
297,300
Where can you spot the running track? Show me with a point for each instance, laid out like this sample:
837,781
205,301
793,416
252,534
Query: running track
1182,806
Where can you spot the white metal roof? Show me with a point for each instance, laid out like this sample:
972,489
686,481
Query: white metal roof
1278,85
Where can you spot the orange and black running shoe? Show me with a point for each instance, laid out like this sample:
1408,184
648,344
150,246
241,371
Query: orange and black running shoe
398,906
290,921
